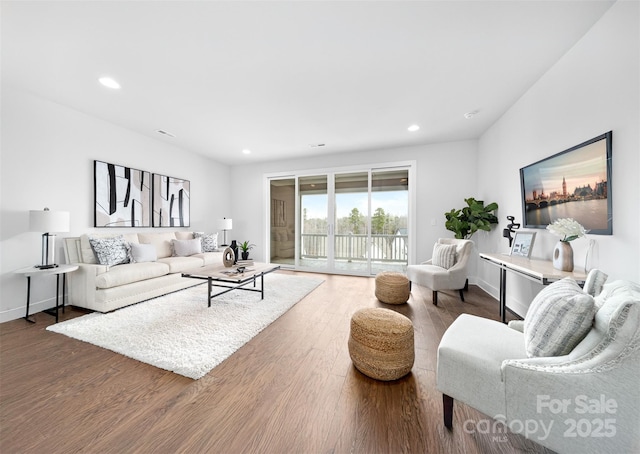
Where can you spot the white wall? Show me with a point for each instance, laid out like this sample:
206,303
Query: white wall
445,176
47,160
593,89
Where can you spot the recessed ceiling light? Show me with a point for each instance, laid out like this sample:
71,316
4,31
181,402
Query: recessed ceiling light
109,82
413,128
470,115
160,131
246,151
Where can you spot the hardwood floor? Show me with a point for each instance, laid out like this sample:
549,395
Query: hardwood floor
291,389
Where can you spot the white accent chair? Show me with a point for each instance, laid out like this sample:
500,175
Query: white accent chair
586,401
437,278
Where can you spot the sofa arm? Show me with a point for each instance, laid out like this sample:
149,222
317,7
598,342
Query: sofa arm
82,284
573,406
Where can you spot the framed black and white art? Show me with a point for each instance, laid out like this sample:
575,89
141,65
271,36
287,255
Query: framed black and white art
122,196
170,201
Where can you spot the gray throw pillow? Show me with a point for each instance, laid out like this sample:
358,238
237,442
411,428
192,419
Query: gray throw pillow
110,251
444,255
185,248
559,317
143,252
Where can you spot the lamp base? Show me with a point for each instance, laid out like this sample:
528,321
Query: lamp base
46,267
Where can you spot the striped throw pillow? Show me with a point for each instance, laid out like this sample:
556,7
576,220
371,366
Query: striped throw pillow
444,255
559,317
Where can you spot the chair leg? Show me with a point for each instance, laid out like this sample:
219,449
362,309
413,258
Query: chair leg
466,285
461,294
435,298
447,411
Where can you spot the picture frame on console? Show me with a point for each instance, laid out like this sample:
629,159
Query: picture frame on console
575,183
523,244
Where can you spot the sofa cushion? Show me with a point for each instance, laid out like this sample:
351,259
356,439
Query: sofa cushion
185,235
444,255
162,241
209,241
185,248
142,253
182,264
210,258
559,317
131,272
110,251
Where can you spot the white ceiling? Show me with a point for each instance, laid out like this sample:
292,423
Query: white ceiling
276,77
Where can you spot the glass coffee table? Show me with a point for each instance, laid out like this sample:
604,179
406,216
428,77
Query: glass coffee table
233,278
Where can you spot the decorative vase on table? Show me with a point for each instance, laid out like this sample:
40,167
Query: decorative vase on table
563,256
234,247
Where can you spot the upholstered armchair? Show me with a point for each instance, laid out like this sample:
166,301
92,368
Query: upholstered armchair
446,270
585,398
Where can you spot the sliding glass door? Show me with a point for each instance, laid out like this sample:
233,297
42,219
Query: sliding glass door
351,222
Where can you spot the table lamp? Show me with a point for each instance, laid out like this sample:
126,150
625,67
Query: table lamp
225,224
48,221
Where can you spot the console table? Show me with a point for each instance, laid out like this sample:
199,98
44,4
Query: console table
60,270
541,271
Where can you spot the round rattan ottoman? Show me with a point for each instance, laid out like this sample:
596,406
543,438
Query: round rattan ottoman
381,343
392,288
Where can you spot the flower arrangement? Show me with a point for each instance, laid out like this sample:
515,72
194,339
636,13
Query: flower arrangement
567,229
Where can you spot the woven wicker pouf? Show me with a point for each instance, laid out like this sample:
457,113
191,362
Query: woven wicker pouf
392,288
381,343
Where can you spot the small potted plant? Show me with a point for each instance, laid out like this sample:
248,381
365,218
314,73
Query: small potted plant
245,247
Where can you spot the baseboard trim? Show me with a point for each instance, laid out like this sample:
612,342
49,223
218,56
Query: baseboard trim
34,308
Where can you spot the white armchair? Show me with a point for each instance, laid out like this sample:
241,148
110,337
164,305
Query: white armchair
586,401
433,275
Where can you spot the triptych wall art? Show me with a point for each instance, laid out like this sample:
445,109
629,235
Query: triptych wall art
127,197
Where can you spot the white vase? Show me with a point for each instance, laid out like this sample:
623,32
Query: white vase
563,256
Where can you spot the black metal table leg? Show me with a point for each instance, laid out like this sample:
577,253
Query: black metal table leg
57,296
26,317
503,294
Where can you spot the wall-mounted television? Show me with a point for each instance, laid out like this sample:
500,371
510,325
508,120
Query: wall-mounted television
575,183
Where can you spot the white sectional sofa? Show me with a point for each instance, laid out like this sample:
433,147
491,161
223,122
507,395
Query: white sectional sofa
104,288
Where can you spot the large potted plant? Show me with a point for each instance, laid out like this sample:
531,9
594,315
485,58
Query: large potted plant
468,220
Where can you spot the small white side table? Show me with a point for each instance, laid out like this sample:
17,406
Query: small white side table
60,270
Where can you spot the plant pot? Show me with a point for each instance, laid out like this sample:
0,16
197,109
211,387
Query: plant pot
563,256
245,255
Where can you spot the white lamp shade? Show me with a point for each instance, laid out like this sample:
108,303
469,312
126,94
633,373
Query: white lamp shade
225,224
46,221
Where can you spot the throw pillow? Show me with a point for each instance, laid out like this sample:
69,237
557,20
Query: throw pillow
143,253
110,251
444,255
185,248
594,282
209,241
559,317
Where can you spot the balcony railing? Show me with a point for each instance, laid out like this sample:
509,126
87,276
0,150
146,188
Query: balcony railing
352,247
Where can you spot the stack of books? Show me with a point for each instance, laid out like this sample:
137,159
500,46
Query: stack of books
244,262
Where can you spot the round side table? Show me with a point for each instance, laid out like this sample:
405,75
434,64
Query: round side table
60,270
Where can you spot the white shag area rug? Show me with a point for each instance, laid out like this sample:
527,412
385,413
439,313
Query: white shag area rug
178,332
